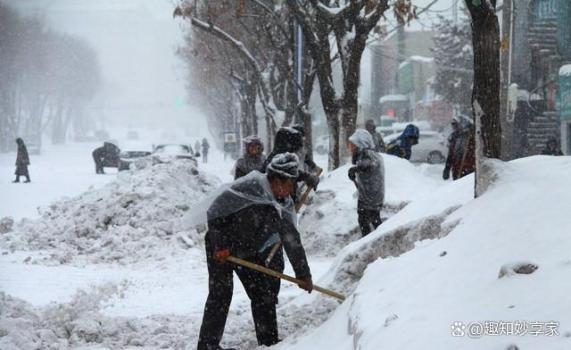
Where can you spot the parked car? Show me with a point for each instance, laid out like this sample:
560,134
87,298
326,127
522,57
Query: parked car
168,152
431,147
137,159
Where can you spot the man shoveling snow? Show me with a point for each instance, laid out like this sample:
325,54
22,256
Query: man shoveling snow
244,221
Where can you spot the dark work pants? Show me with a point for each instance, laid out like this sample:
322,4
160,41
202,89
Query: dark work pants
369,219
261,289
98,165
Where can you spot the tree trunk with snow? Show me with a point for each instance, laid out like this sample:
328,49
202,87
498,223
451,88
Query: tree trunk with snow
486,42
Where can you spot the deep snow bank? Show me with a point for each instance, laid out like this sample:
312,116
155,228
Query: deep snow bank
133,218
411,302
329,221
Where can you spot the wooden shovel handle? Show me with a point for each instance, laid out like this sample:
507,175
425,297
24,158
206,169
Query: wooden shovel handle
273,273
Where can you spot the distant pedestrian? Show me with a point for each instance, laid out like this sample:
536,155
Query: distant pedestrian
402,146
552,148
22,161
253,159
461,159
368,174
205,148
377,137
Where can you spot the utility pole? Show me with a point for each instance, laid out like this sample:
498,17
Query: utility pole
505,67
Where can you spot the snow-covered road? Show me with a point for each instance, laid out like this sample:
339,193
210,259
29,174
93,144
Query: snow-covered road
137,272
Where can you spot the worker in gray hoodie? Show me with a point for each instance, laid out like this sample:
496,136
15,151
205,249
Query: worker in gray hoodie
368,174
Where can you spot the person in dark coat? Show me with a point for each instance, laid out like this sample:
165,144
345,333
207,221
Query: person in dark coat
368,174
205,148
107,155
22,162
552,148
377,137
253,159
461,159
402,146
290,140
242,222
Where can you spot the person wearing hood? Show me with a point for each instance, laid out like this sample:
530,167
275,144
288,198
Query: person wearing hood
461,159
377,137
368,174
245,221
402,146
290,140
253,159
552,148
22,162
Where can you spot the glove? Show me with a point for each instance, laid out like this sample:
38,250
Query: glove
352,173
307,284
446,173
312,181
221,255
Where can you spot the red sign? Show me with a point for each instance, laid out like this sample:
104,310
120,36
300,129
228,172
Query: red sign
391,112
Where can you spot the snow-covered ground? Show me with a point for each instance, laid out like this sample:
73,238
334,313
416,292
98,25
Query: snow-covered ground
117,266
471,288
60,171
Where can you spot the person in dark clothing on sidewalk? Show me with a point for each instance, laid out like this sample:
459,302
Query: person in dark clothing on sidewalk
243,221
290,140
552,148
205,148
253,159
402,146
22,162
461,159
377,137
368,174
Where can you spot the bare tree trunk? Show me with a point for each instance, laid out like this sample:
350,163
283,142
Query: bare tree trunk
486,41
334,136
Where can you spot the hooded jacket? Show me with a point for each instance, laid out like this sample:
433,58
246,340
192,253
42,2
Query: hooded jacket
402,146
370,171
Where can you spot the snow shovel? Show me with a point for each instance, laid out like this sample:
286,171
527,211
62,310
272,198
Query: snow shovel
273,273
297,208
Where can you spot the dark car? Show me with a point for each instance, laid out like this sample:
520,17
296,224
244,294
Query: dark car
168,152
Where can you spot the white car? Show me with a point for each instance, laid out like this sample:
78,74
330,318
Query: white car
168,152
431,148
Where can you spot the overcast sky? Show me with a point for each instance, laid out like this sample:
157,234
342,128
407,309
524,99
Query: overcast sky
144,80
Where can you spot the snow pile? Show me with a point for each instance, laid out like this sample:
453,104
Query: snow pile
329,221
133,218
80,325
496,254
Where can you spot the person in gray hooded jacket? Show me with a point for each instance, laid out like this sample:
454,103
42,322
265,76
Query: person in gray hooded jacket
368,174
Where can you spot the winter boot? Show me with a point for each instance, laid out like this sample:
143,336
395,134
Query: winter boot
17,180
27,180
